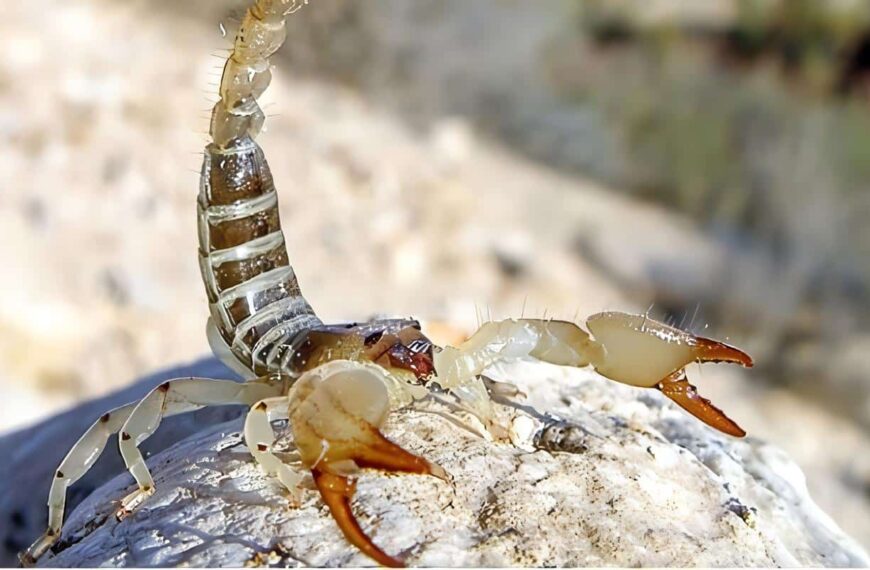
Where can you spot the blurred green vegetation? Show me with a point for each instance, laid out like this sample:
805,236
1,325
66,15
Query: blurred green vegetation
757,123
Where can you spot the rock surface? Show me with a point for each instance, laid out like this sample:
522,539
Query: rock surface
32,454
632,481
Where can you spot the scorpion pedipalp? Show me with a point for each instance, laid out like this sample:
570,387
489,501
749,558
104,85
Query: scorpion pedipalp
640,351
631,349
336,411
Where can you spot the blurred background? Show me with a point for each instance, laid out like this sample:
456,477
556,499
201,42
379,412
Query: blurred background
458,161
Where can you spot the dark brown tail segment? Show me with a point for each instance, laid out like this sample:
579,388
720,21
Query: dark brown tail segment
254,297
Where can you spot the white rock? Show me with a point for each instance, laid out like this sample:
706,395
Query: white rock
31,455
643,484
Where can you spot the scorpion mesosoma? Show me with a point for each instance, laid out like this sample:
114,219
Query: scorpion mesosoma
336,384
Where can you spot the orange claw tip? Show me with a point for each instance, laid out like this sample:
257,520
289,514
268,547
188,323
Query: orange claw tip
678,389
436,470
336,491
709,350
381,453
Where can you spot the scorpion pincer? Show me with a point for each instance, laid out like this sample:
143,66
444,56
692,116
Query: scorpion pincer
336,384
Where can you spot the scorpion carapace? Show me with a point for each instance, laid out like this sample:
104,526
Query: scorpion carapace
336,384
398,345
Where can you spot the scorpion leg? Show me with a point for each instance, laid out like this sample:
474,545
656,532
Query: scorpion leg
77,462
259,438
169,399
336,411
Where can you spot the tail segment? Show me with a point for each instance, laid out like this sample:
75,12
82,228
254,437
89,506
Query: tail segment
247,71
254,298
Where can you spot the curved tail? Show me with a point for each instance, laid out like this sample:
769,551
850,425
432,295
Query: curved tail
254,298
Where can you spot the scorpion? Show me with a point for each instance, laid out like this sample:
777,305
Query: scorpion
336,384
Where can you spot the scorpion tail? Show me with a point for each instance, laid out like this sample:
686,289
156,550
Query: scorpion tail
255,302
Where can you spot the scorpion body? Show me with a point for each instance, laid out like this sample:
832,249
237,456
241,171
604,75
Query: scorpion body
336,384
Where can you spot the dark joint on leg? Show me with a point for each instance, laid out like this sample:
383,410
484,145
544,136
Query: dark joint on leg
59,474
262,447
105,417
261,407
164,387
125,436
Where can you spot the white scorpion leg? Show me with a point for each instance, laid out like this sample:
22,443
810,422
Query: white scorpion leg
631,349
260,437
77,462
172,398
82,456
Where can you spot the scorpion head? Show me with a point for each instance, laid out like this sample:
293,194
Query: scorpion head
395,344
406,349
